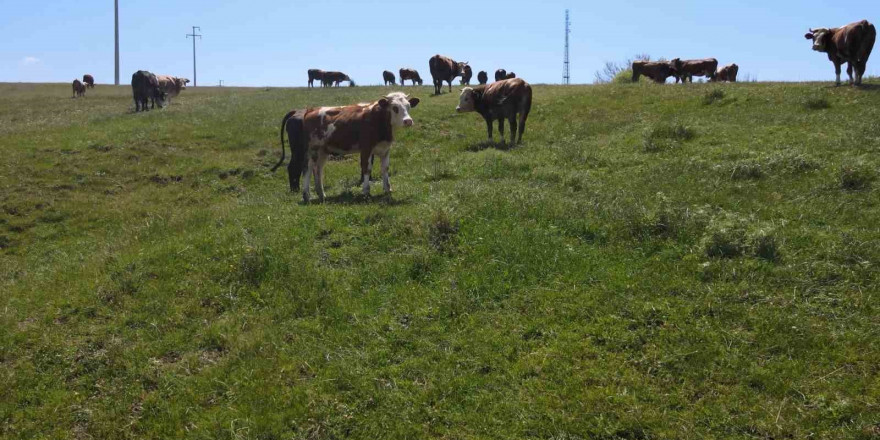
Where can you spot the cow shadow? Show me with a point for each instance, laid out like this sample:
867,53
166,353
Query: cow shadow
485,145
351,198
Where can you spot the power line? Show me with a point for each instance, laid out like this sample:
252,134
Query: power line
566,73
194,35
116,18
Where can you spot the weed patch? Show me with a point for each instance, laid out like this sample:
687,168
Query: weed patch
713,96
730,235
662,137
855,176
815,103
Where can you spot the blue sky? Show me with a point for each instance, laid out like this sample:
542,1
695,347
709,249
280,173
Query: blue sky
260,42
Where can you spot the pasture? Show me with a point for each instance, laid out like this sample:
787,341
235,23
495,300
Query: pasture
653,262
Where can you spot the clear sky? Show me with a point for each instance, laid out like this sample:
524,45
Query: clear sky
270,42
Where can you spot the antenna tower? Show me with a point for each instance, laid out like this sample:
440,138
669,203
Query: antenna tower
566,75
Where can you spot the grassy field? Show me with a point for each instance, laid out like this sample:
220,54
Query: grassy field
654,262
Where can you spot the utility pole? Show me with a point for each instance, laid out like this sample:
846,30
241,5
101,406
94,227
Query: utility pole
566,74
221,83
116,16
194,35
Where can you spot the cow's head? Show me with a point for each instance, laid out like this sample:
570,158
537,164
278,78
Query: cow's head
467,100
398,105
820,38
461,67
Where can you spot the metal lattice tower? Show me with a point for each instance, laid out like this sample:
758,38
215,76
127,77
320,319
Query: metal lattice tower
194,35
566,74
116,21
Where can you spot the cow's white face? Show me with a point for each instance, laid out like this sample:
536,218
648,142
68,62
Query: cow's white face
466,100
820,39
398,106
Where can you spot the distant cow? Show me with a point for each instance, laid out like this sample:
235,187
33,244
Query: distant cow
389,78
686,70
444,69
79,89
510,75
89,81
466,76
499,100
171,85
851,44
334,78
657,71
367,129
316,74
727,73
483,77
410,74
145,86
500,74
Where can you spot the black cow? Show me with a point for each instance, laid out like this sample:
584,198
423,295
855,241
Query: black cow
145,87
483,77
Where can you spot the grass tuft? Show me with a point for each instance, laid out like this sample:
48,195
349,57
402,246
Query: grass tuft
713,96
855,176
816,103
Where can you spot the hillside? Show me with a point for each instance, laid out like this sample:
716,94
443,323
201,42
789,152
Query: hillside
654,262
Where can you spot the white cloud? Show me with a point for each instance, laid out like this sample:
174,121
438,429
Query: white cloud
29,61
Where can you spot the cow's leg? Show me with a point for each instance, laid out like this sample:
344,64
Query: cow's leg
501,128
319,175
512,121
307,177
365,171
522,124
849,72
450,85
837,71
489,128
386,181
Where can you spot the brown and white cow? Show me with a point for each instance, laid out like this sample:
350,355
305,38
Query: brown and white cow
368,129
388,77
89,81
482,77
316,74
500,74
466,76
410,74
444,69
686,70
79,89
726,74
171,85
657,71
851,44
500,100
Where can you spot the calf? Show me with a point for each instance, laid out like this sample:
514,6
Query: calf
410,74
316,74
727,73
657,71
389,78
78,88
688,69
466,76
444,69
89,81
851,44
500,74
483,77
145,86
499,100
367,129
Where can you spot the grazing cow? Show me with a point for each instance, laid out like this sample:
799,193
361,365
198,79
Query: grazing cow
89,81
171,85
686,70
500,74
851,44
316,74
499,100
510,75
483,77
444,69
466,76
389,78
727,73
79,89
334,78
657,71
367,129
145,86
410,74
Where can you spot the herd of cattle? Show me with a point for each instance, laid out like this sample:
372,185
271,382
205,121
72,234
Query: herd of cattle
683,70
146,87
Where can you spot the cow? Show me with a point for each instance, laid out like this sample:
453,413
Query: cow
334,78
851,44
145,86
688,69
389,78
510,75
500,74
171,85
444,69
466,76
483,77
79,89
316,74
410,74
656,71
499,100
368,129
727,73
89,81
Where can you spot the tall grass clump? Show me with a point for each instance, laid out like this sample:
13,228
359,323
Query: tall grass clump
815,103
713,96
729,235
665,136
855,176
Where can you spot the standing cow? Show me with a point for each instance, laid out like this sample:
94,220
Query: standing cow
444,69
316,75
79,89
389,78
171,85
500,74
483,77
334,78
466,76
499,100
410,74
144,87
368,129
89,81
657,71
726,74
510,75
688,69
851,44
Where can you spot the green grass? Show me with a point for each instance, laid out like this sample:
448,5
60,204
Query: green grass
654,262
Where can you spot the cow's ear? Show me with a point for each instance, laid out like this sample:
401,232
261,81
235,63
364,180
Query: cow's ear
383,103
413,102
808,36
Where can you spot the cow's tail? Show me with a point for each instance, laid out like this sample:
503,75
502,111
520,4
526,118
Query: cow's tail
283,127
